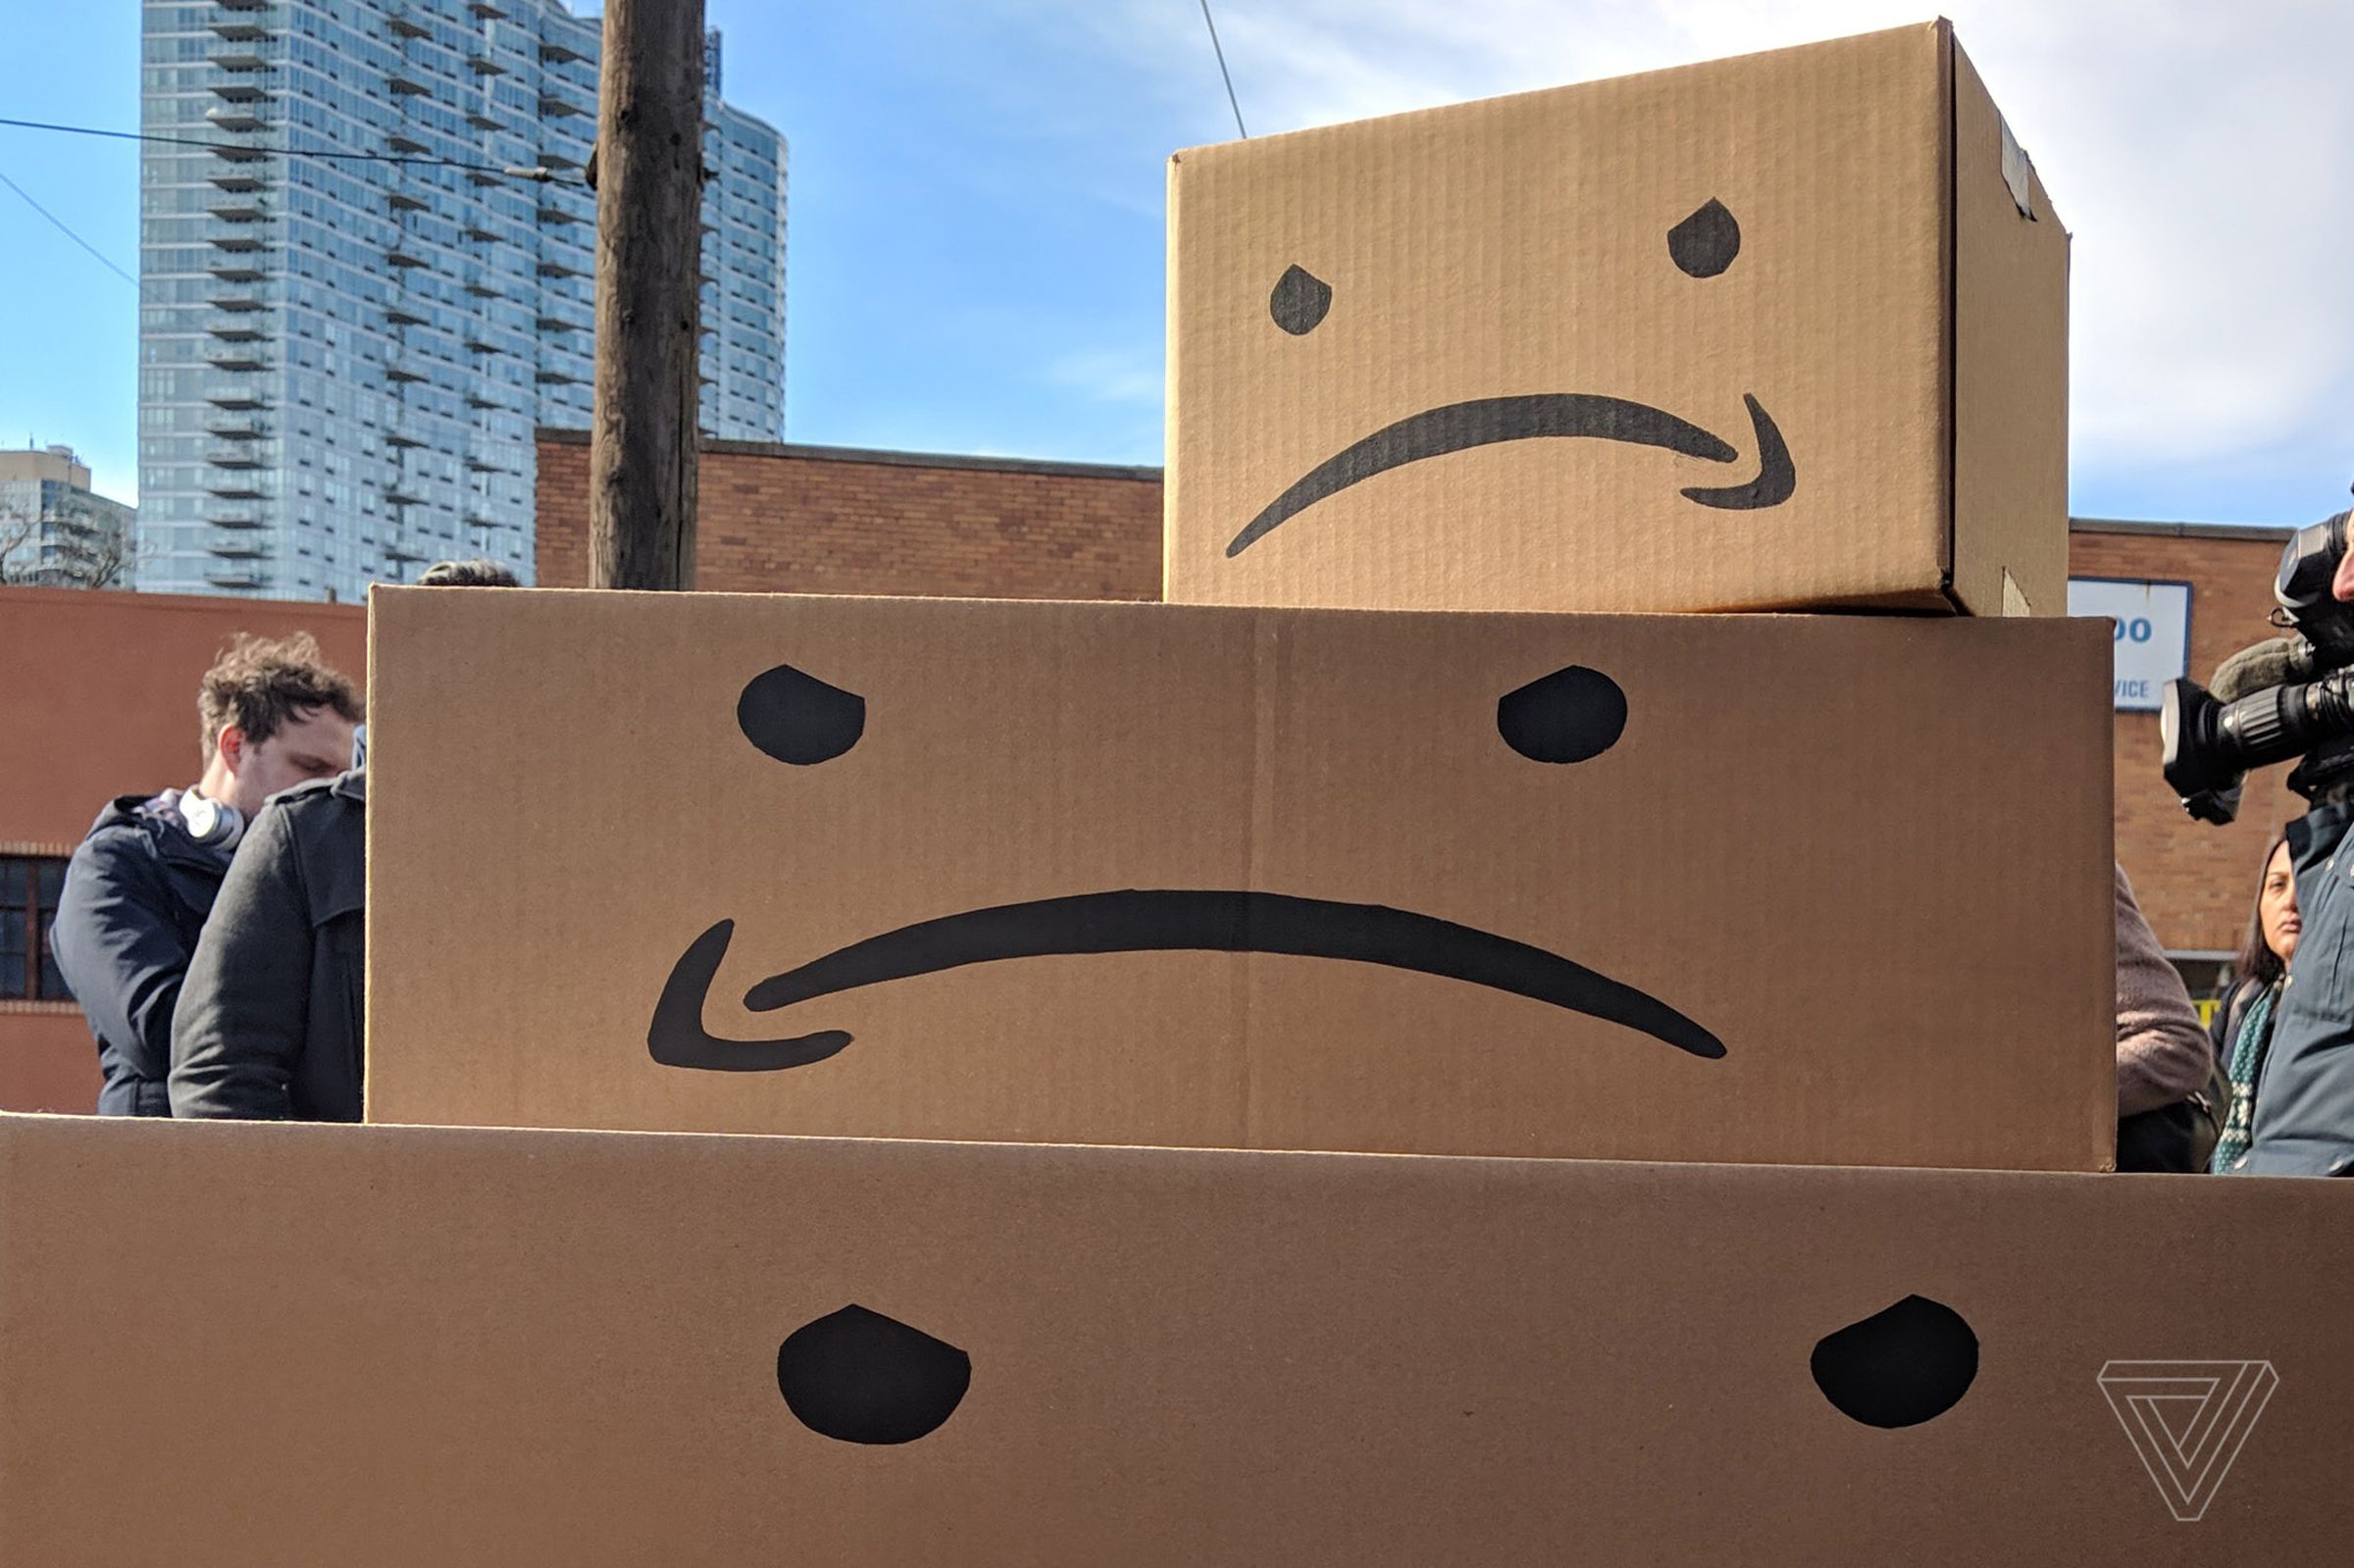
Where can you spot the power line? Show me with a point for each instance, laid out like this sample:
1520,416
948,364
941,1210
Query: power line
1223,71
542,175
67,232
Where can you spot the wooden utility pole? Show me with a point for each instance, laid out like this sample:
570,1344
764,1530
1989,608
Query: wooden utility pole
649,245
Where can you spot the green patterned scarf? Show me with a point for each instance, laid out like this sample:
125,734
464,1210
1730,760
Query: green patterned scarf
2245,1061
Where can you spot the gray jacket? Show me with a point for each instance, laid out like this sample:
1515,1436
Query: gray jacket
269,1021
2305,1093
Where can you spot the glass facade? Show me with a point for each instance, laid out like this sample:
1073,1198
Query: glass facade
341,360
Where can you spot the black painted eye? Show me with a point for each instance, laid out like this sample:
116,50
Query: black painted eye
1899,1367
1569,716
1705,243
797,718
859,1377
1300,301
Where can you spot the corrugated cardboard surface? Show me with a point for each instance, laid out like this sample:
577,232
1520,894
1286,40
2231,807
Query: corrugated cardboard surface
1871,856
229,1345
2010,370
1520,248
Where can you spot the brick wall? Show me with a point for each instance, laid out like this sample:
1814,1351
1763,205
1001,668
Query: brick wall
2196,882
835,520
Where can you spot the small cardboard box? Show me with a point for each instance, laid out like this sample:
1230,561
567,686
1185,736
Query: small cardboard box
1793,328
394,1345
1772,888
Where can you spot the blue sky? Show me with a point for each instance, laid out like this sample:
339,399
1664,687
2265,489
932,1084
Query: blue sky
977,189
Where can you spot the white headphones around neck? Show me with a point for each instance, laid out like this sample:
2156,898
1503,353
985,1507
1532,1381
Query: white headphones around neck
211,822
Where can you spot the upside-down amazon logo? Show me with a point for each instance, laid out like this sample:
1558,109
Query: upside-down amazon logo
1566,716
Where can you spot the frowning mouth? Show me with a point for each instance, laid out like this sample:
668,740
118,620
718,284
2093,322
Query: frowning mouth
1141,920
1482,421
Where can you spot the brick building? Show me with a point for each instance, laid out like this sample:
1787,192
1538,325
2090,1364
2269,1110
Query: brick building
777,519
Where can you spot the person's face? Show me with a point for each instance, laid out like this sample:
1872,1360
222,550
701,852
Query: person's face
316,743
2277,905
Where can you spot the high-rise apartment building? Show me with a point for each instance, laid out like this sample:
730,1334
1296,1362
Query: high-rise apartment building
352,314
54,529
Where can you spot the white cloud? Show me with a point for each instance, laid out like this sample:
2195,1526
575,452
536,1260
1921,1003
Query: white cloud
2202,154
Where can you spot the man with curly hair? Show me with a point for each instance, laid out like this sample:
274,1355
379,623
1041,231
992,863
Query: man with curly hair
142,882
270,1027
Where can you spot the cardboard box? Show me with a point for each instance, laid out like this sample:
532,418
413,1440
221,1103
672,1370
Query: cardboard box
386,1346
1821,890
1794,328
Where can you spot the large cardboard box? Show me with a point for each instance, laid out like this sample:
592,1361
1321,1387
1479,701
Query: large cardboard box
1782,330
1772,888
230,1345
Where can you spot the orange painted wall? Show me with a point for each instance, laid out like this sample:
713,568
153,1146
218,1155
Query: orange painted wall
98,699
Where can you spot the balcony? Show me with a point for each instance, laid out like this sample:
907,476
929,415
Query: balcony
406,145
234,428
404,258
558,324
482,291
247,6
235,392
476,399
555,269
239,547
555,377
488,10
237,245
239,179
401,201
238,577
402,375
483,121
405,26
236,517
481,465
225,487
485,66
478,234
552,107
239,92
394,495
241,358
558,215
235,269
239,57
234,117
401,441
235,327
236,455
237,209
404,85
401,316
232,153
556,54
237,29
240,300
476,344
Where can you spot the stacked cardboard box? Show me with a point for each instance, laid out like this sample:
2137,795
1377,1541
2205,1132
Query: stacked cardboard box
1123,957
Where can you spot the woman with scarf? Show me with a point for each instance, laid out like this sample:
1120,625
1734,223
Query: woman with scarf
2243,1025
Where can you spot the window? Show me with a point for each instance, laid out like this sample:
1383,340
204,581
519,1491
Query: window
29,890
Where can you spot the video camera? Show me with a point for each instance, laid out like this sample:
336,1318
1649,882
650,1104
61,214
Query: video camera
2293,696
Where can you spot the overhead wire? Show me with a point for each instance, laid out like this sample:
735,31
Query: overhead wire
1220,50
512,172
60,225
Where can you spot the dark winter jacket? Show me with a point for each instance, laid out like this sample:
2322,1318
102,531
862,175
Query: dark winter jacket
136,892
269,1025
